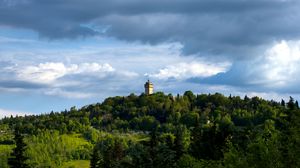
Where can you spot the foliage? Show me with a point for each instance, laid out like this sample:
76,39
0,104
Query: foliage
158,130
76,164
5,151
18,158
50,149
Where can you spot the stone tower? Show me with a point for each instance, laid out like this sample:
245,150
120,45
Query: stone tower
148,88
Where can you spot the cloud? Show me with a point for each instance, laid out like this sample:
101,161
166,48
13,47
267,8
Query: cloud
14,40
43,73
68,94
276,70
77,81
212,28
65,71
51,71
8,113
282,63
234,45
182,71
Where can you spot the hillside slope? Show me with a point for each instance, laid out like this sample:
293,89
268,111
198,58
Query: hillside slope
164,131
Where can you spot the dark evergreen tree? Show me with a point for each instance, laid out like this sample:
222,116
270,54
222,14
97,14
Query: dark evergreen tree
108,160
153,144
282,103
153,138
291,104
118,150
246,98
95,158
18,159
178,142
196,138
165,157
297,104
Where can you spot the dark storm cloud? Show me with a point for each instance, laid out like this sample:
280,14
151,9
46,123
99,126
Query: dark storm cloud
234,28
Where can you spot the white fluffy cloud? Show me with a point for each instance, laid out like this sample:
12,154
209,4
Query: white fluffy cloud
185,70
67,80
51,71
283,62
278,67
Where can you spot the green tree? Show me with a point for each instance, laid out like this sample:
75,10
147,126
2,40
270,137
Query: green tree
179,146
291,103
187,161
297,104
282,103
18,159
95,158
196,139
118,150
165,157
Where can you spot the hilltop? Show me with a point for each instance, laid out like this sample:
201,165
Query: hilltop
162,130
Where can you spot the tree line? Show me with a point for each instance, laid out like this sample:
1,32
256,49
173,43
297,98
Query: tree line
207,130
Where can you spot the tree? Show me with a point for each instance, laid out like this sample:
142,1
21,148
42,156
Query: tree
18,159
191,97
195,148
153,138
118,150
178,142
187,161
297,104
190,119
140,155
282,103
165,157
291,104
153,144
95,158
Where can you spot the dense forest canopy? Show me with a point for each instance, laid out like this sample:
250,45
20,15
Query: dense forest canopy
159,130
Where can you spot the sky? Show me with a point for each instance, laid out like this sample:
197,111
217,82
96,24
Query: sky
57,54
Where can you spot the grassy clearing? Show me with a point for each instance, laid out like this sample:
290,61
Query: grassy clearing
77,164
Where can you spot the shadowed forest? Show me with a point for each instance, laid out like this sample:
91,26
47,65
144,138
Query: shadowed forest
159,130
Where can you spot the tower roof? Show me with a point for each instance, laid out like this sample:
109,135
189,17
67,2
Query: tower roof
148,82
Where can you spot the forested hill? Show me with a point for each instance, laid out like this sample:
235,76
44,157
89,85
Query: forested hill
166,131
